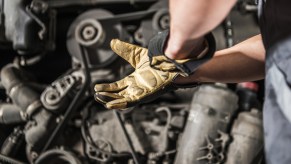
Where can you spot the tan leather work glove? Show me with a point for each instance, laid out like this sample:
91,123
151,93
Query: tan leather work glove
143,85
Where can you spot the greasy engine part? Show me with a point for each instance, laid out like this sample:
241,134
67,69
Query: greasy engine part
205,136
55,98
19,87
94,30
25,101
13,142
156,129
11,114
77,100
160,21
35,34
9,160
247,93
57,156
153,131
95,36
236,27
38,131
99,148
247,142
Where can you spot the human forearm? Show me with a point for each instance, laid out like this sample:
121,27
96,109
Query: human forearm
243,62
190,20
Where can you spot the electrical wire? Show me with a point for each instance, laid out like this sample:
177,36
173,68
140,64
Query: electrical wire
133,153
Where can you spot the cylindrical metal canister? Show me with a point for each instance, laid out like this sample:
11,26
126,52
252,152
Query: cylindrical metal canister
247,134
204,137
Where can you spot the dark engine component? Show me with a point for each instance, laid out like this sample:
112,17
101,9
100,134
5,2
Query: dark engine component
38,131
21,90
248,98
20,21
153,132
13,142
149,27
11,114
205,136
57,96
55,99
92,31
57,156
247,144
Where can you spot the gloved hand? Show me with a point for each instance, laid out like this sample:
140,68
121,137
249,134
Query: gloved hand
185,67
143,85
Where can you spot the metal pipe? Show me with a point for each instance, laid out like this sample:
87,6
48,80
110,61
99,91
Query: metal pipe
9,160
11,114
17,85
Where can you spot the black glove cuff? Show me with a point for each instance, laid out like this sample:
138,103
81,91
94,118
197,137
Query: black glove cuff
157,44
156,48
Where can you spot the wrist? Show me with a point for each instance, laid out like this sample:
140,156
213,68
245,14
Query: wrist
181,80
176,49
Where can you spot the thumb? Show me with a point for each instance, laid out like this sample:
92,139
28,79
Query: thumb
129,52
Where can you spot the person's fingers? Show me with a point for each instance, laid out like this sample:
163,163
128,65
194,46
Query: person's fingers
131,53
167,66
118,103
158,59
155,61
163,63
181,61
110,87
105,97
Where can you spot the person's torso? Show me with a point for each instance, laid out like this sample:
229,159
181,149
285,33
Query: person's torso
275,21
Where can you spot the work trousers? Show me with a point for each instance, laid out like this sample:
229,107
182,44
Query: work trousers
277,104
